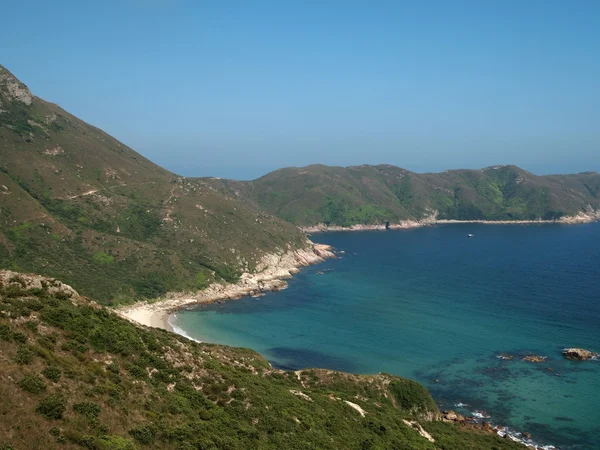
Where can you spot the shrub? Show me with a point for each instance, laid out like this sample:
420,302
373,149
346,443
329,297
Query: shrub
5,332
144,435
14,291
52,373
19,337
24,355
113,367
31,325
17,279
113,443
46,342
103,258
200,280
412,396
32,384
52,407
89,410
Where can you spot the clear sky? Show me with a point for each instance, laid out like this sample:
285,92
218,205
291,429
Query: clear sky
239,88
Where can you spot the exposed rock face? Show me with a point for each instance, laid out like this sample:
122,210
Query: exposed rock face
579,354
505,356
417,426
451,416
13,88
30,281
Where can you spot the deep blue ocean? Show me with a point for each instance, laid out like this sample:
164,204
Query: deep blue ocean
436,306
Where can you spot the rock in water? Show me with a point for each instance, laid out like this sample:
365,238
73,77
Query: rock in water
535,358
579,354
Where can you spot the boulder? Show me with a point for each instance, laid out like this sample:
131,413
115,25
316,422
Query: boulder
579,354
449,416
486,426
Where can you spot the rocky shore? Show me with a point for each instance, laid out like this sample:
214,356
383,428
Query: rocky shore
587,216
402,225
270,275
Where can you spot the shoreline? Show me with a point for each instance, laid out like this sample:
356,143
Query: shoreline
581,218
272,270
158,314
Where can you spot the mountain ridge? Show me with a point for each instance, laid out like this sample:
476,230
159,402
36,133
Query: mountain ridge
79,205
376,194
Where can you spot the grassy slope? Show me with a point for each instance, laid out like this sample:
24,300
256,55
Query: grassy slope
77,204
75,375
375,194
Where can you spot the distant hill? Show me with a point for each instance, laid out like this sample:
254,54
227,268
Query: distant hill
375,194
74,375
77,204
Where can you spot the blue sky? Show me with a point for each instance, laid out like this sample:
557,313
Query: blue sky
236,89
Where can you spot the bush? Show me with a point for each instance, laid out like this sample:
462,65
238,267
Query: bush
24,355
19,337
113,443
144,435
113,367
32,384
89,410
412,397
52,373
52,407
103,258
17,279
5,333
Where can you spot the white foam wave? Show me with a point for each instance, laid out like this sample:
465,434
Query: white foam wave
461,405
516,436
174,324
479,415
519,437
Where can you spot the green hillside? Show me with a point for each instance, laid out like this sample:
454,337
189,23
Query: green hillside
77,204
376,194
75,375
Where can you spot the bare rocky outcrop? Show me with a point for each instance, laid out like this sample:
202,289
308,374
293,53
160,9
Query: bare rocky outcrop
301,394
54,151
13,89
452,416
31,281
417,426
579,354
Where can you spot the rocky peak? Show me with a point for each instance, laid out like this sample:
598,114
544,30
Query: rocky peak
13,89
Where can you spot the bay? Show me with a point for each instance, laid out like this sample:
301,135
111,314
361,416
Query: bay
436,306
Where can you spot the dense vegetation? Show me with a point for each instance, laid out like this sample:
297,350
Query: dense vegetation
376,194
77,204
75,375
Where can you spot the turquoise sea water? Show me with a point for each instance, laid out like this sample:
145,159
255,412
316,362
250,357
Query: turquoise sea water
433,305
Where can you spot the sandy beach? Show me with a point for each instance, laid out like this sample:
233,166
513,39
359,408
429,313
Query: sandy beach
271,273
276,267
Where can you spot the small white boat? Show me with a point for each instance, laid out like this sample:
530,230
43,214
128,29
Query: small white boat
470,235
